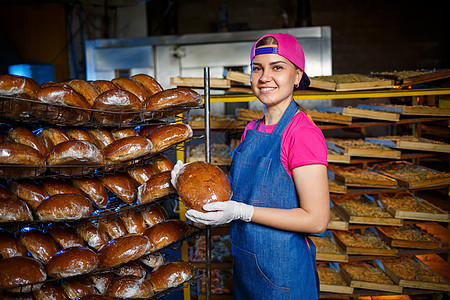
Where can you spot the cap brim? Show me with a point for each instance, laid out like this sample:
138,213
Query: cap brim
304,83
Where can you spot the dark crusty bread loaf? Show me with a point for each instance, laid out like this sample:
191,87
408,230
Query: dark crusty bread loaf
75,152
134,222
14,210
165,136
50,290
121,103
79,134
93,189
64,207
78,287
132,87
157,186
29,191
10,246
127,148
148,82
154,214
62,95
66,237
39,243
160,163
83,87
71,262
172,98
120,133
25,136
113,227
199,183
102,280
92,235
18,86
104,85
101,137
132,268
52,136
122,250
165,233
21,270
170,275
153,260
56,186
19,154
121,185
130,287
140,174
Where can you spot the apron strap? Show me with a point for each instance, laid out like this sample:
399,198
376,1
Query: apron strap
287,116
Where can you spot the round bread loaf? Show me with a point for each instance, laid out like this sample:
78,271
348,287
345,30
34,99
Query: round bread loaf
120,133
10,246
93,189
156,187
168,135
101,137
92,235
79,134
39,243
121,185
18,154
52,136
29,191
71,262
104,85
170,275
172,98
165,233
154,214
25,136
55,186
113,227
130,287
64,207
199,183
148,82
140,174
160,163
78,287
21,271
121,103
126,149
122,250
153,260
132,268
134,222
50,290
102,281
18,86
133,87
66,237
83,87
12,210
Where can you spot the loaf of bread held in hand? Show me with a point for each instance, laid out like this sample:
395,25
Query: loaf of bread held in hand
156,187
64,207
122,250
21,271
199,183
165,136
71,262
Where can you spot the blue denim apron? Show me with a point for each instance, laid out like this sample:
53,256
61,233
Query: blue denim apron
268,263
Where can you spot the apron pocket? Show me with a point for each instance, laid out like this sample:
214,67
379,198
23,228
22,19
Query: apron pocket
251,280
249,176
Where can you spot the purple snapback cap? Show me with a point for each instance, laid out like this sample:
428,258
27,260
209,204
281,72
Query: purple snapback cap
289,48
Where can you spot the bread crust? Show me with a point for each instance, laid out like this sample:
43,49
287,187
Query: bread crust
84,88
71,262
116,101
148,82
39,243
168,135
165,233
133,87
122,250
21,270
127,148
93,189
170,275
29,191
10,246
94,236
25,136
172,98
157,186
64,207
121,185
14,210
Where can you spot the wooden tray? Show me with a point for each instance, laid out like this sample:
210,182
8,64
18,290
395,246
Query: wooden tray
337,222
195,82
237,76
327,249
411,272
329,117
335,157
357,177
407,78
331,279
362,148
350,82
412,176
363,210
402,237
248,114
418,110
410,143
368,275
368,243
362,113
438,231
408,206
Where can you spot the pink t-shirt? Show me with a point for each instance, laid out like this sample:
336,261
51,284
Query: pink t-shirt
302,142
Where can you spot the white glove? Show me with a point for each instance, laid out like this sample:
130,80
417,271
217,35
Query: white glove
221,213
174,173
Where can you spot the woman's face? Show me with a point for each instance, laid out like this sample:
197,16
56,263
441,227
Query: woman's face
273,78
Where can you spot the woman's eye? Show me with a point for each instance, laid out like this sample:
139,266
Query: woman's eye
277,67
256,69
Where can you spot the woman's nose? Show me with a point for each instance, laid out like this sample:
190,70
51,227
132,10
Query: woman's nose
265,76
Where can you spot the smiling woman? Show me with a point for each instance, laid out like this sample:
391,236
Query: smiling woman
279,184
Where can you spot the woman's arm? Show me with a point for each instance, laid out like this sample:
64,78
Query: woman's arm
311,182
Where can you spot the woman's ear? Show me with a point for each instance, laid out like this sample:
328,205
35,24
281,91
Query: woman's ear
298,76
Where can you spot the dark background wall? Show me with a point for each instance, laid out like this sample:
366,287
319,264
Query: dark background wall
367,35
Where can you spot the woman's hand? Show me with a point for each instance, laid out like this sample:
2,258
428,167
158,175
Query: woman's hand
221,213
